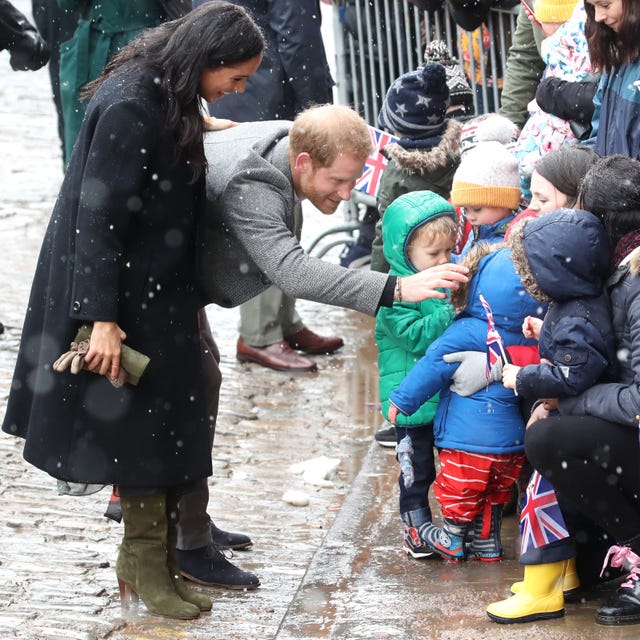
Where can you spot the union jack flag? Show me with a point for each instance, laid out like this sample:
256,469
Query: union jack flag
369,181
541,520
495,348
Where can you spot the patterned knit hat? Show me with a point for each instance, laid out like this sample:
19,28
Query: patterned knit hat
416,103
460,93
487,177
553,10
485,128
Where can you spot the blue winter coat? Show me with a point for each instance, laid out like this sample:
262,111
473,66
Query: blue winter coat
616,118
564,257
491,233
488,421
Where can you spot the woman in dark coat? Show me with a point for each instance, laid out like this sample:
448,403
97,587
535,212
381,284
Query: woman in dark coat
119,253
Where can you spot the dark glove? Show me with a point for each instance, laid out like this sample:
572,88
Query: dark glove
30,52
27,49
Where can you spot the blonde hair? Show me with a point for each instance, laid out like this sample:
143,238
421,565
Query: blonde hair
440,226
324,131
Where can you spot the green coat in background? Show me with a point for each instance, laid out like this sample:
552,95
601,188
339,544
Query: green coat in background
405,330
103,29
523,72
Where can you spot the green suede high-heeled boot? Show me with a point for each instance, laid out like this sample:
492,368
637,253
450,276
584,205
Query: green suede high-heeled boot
173,517
142,561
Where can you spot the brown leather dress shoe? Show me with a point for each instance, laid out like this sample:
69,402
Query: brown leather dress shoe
278,356
309,342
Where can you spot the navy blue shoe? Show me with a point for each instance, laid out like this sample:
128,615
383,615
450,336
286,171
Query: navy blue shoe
209,566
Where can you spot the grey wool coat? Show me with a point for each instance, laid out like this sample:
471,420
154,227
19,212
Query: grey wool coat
248,240
120,247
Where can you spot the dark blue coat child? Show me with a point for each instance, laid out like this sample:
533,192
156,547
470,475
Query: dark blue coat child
564,258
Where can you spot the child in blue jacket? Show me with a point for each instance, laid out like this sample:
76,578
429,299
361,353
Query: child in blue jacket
480,437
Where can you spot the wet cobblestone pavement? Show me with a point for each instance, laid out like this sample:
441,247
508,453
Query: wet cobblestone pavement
332,569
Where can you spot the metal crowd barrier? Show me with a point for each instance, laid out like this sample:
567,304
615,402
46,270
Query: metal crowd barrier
367,64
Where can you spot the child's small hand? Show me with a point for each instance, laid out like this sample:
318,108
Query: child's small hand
550,404
392,416
539,413
509,374
531,327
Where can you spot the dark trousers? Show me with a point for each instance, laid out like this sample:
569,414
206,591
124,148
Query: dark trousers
593,466
424,467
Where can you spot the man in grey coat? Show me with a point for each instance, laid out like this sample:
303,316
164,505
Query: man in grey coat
293,75
258,172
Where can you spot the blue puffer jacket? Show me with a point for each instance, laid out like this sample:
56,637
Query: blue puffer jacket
615,127
564,257
491,233
488,421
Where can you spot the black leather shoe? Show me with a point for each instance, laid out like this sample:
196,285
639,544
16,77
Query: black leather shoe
228,540
623,607
208,566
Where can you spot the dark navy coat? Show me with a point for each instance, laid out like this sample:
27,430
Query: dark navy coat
568,259
293,73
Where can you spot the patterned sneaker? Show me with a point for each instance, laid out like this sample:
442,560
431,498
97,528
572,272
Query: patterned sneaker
413,546
446,541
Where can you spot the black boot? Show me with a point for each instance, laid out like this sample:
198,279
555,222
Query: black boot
623,607
228,540
208,566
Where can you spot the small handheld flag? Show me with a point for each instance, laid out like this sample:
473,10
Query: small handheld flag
541,520
495,348
369,181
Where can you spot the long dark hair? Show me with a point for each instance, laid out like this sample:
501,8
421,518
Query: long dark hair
608,49
611,191
209,37
566,167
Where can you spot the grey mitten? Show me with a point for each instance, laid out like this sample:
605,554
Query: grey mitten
471,376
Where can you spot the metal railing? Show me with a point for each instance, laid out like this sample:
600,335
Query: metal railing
366,66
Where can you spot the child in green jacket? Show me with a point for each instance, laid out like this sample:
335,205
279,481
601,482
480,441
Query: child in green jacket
418,232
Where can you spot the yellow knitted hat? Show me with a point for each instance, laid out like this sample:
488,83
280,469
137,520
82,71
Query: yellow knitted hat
487,177
554,10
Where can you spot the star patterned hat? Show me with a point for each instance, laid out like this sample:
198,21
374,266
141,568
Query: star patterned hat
416,103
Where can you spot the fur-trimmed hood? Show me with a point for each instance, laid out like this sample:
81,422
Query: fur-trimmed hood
634,262
423,161
562,255
472,260
492,274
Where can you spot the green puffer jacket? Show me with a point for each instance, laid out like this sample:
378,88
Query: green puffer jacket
103,29
405,330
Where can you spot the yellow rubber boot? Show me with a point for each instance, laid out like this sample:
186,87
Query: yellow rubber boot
570,583
540,598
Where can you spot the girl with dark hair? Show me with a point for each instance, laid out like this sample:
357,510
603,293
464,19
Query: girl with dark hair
119,253
614,49
590,451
